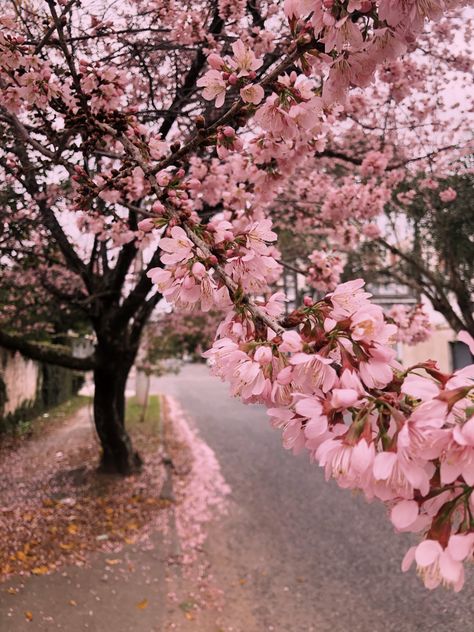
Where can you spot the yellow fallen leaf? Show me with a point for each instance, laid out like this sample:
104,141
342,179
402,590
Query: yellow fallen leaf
72,528
66,546
12,591
189,616
142,604
20,555
72,602
113,562
29,615
129,540
109,510
40,570
132,525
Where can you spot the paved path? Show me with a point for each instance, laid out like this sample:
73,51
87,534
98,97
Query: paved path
296,554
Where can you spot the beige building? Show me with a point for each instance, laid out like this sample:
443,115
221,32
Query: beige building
438,347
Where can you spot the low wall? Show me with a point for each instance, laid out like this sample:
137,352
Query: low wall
27,388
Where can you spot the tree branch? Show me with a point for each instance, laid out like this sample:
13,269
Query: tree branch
48,353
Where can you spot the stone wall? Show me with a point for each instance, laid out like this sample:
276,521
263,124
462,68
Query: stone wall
27,388
20,377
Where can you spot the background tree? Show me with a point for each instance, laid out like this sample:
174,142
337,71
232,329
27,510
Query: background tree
387,199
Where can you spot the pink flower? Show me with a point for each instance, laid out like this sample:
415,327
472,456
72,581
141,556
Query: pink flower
163,279
313,372
375,374
258,234
214,87
215,61
413,13
311,408
404,514
374,163
368,325
292,342
244,59
298,8
252,93
397,476
343,398
448,195
457,458
263,355
344,34
271,117
294,436
350,465
347,298
178,247
146,224
437,565
247,379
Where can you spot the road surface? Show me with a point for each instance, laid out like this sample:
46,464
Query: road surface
296,554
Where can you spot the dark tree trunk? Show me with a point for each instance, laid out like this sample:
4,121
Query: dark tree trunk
118,455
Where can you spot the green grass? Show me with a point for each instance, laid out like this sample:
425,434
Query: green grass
135,417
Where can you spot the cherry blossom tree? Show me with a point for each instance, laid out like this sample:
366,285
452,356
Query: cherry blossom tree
388,198
165,132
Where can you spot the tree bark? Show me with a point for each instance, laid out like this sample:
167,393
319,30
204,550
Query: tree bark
118,455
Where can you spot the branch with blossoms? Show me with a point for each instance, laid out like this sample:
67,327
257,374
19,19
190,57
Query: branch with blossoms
331,383
327,373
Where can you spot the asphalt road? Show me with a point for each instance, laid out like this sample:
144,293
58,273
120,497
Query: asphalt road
296,554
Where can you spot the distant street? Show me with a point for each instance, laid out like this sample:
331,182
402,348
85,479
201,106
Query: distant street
296,554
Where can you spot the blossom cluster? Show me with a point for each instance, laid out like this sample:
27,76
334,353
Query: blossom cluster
188,277
331,382
413,323
359,34
325,271
239,70
404,437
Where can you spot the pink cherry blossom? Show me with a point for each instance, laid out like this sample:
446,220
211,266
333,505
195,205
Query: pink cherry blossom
179,247
244,59
437,565
214,87
252,93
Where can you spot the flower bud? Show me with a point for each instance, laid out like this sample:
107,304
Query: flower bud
146,224
198,270
215,61
158,208
263,355
189,283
